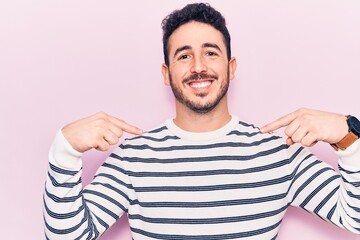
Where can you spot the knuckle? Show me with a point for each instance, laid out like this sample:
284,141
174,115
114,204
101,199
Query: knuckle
100,122
104,147
114,141
305,117
305,142
101,115
314,131
119,133
95,145
98,136
287,132
110,139
302,109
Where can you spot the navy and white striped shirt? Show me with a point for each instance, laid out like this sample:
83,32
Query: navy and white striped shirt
232,183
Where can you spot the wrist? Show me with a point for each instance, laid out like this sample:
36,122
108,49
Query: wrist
63,154
352,135
348,159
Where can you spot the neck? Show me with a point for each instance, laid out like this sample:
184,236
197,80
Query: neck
191,121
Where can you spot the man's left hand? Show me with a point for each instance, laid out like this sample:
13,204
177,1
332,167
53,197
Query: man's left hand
307,126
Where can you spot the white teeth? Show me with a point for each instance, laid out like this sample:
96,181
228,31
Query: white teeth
200,84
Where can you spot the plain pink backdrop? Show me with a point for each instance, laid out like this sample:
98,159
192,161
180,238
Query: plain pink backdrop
63,60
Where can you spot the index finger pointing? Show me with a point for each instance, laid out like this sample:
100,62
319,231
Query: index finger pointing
279,123
126,127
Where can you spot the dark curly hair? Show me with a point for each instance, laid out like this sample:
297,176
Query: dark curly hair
199,12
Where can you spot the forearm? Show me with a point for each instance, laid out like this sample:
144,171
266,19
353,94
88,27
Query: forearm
348,210
317,188
65,212
72,212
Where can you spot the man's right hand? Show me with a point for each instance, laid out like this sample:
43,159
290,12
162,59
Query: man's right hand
98,131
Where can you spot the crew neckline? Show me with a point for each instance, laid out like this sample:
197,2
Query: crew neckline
200,136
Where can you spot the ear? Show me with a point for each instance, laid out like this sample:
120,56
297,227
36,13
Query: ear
232,68
165,73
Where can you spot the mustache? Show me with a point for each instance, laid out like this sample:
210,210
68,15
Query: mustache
199,76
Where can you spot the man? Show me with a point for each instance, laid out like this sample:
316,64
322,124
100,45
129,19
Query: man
204,174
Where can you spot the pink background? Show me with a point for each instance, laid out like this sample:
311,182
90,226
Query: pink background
63,60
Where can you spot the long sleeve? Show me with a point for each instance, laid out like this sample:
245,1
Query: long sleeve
72,212
334,197
234,183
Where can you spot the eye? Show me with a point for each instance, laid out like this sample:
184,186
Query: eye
184,57
211,54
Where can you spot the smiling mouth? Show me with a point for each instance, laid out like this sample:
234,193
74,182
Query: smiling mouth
199,84
200,81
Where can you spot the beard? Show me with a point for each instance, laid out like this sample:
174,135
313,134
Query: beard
197,106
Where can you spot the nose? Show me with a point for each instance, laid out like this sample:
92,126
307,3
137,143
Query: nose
198,65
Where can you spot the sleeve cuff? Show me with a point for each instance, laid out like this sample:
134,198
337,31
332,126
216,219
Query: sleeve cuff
63,154
350,158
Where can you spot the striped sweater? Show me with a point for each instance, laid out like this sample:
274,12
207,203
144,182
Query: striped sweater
232,183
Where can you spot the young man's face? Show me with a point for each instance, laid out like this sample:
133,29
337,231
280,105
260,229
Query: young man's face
199,70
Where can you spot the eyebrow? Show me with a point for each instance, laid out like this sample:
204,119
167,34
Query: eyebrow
211,45
183,48
205,45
